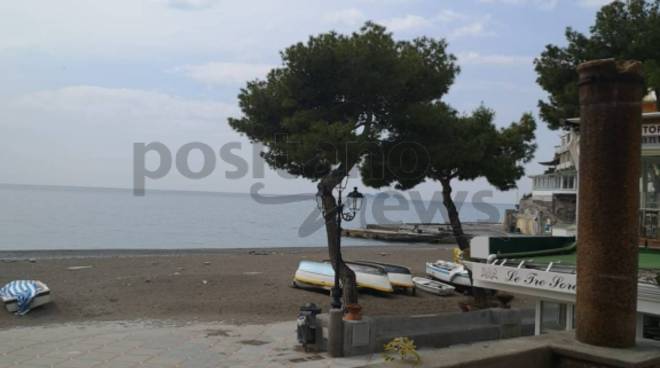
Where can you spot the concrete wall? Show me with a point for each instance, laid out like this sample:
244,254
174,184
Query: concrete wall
552,350
436,330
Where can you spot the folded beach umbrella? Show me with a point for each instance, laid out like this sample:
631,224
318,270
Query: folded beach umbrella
21,293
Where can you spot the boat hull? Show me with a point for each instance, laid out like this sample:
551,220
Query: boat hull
399,280
449,272
433,287
318,274
399,276
43,297
321,274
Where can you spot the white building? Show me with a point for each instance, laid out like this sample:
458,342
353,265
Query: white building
560,179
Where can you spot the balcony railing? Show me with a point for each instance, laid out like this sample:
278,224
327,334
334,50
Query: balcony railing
555,182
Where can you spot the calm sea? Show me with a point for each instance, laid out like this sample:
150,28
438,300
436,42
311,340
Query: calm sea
40,217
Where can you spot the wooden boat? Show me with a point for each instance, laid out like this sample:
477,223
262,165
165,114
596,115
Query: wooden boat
449,272
321,274
399,276
43,297
433,287
317,274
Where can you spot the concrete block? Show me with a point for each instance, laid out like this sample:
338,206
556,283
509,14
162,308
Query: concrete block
358,337
434,330
336,333
509,331
502,316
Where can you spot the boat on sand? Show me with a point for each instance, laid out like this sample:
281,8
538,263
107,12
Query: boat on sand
321,274
449,272
42,296
433,286
400,276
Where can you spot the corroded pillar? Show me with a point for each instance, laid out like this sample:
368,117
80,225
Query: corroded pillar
610,127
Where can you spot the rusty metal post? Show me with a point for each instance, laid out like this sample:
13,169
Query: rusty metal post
610,116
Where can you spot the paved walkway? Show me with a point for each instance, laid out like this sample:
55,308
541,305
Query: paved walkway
161,345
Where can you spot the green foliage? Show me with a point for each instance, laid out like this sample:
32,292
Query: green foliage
435,142
365,100
622,30
336,95
404,348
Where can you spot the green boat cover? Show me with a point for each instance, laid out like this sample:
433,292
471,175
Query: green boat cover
527,246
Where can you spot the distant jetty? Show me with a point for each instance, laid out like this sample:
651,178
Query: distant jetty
439,233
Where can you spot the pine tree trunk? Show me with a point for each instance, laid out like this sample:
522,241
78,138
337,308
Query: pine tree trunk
480,295
454,220
346,275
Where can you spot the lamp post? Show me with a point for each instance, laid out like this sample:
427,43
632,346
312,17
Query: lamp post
335,324
344,212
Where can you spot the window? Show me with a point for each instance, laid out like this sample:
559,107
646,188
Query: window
651,327
553,316
568,182
650,195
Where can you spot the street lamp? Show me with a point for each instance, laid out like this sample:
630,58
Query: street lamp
344,212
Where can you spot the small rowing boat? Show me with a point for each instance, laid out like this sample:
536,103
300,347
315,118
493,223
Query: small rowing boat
11,301
317,274
433,287
321,274
399,276
449,272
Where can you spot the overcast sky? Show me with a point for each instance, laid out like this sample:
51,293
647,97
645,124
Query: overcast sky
83,80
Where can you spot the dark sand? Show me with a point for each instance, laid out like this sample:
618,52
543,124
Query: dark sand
235,286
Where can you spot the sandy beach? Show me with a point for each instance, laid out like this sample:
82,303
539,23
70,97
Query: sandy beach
234,286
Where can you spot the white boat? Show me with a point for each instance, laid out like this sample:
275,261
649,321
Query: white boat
449,272
400,276
321,274
42,297
311,273
433,287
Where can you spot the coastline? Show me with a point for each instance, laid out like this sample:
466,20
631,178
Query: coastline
169,252
239,286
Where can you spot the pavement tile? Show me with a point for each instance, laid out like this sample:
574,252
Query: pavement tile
97,356
8,348
226,363
102,340
32,365
146,352
158,365
116,364
178,354
164,361
74,363
18,357
121,346
44,361
64,354
85,347
112,349
128,358
140,345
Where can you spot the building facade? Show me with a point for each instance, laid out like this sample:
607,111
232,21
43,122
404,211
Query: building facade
553,200
552,279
